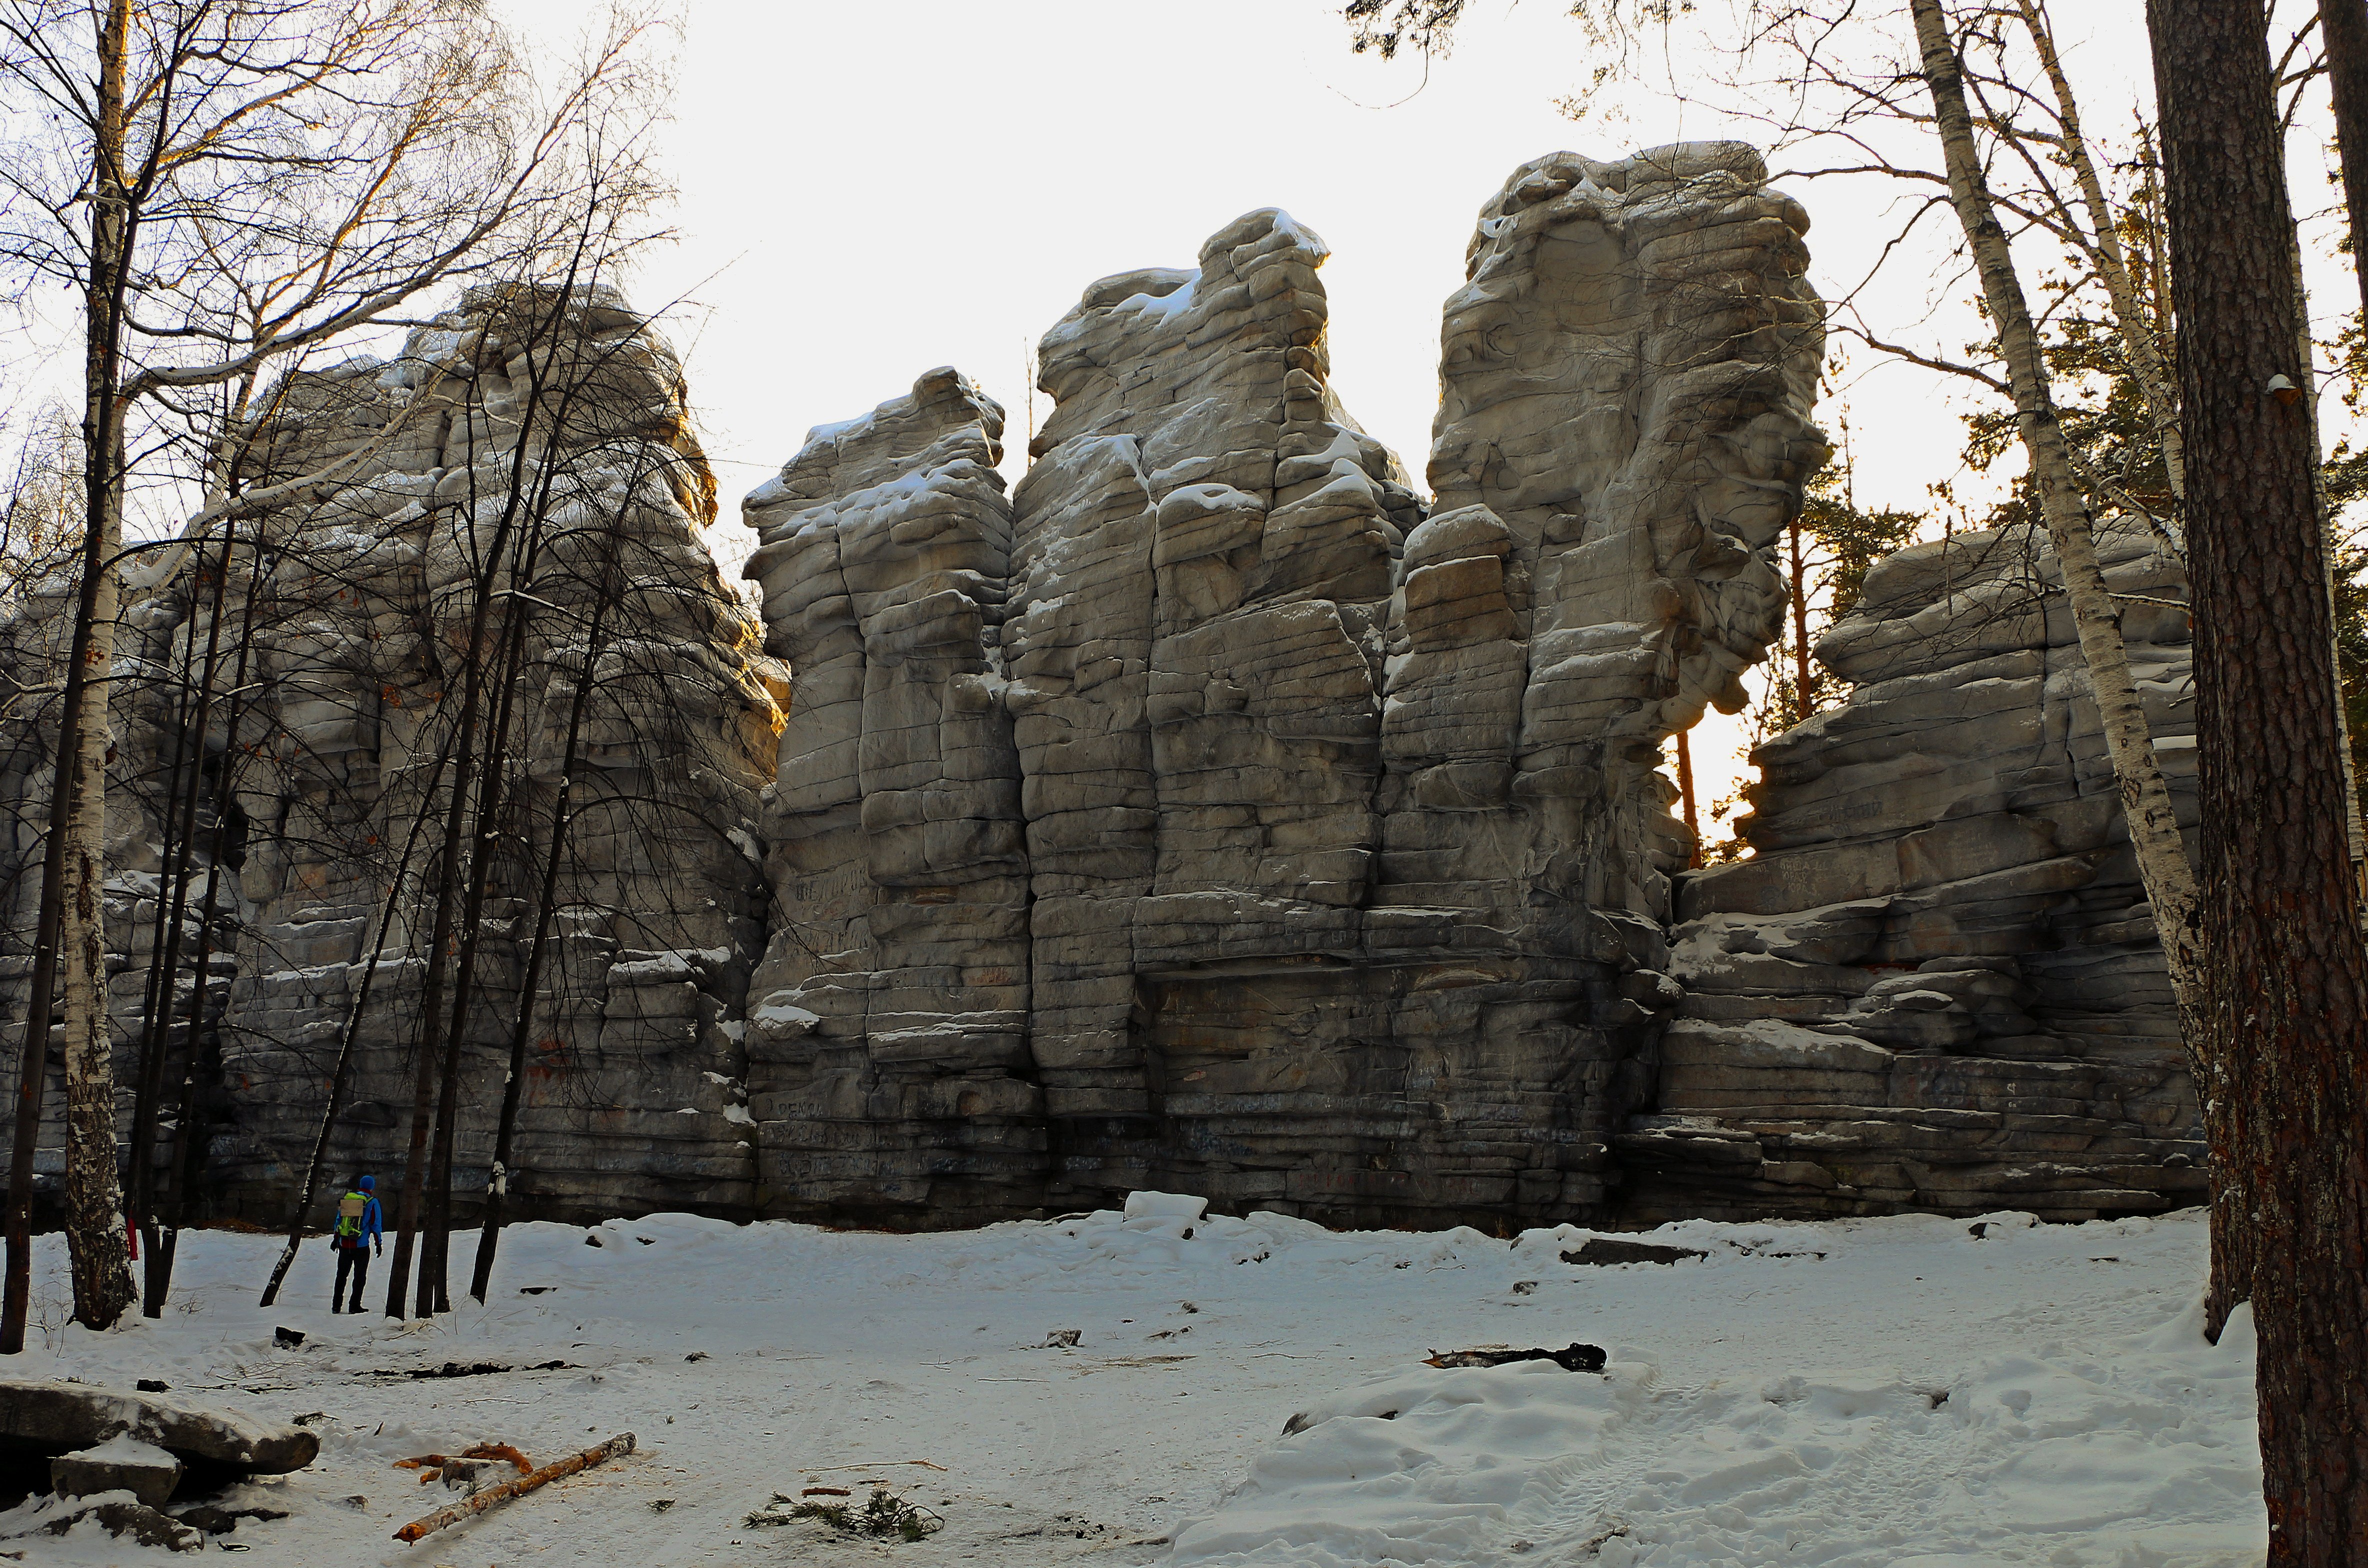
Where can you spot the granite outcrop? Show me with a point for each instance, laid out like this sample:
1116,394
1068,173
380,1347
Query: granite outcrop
1210,811
1300,843
532,449
1936,982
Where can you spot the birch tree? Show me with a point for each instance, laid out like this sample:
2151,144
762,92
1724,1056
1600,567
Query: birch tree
228,185
2146,797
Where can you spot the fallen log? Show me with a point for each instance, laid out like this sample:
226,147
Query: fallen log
418,1529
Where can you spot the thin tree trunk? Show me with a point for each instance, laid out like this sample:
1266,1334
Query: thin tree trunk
98,1253
2146,798
1686,799
185,1147
163,931
2157,384
533,498
521,1026
165,964
1803,693
431,1014
2305,377
424,1086
2287,1108
32,1065
2343,31
435,1295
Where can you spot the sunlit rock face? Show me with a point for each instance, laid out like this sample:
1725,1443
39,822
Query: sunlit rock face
1936,984
633,1087
1338,853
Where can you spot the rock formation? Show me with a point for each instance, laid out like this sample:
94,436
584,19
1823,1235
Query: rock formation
1936,984
343,621
888,1041
1344,853
1209,814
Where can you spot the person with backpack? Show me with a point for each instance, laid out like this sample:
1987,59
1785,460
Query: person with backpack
357,1230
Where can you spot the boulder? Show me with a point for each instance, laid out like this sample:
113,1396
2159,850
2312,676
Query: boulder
63,1418
122,1463
137,1520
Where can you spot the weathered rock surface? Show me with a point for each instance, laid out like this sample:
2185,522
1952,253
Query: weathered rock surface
888,1035
1937,984
1344,854
344,614
143,1524
1209,813
59,1418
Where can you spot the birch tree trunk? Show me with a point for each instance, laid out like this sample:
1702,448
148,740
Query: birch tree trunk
2145,799
2157,383
96,1235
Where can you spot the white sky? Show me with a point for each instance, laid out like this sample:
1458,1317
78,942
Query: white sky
870,189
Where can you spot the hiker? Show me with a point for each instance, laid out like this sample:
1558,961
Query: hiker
357,1230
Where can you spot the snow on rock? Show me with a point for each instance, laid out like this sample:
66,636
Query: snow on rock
356,611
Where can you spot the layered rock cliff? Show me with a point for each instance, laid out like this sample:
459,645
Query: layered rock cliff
1209,812
336,624
889,1037
1936,984
1344,851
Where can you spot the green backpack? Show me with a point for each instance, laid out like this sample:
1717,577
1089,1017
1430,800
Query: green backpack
350,1210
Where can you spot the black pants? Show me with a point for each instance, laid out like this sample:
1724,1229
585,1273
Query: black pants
354,1260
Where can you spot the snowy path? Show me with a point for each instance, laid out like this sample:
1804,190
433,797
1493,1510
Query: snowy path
1760,1408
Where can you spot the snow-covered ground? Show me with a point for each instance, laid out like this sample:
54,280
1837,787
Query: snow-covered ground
1885,1393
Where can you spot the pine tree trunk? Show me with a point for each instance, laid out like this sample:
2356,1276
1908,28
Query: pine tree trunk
2288,976
2146,798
